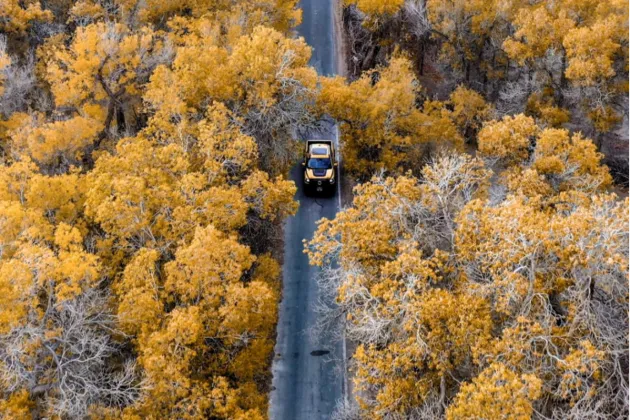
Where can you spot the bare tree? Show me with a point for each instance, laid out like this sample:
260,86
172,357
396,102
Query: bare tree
68,359
18,82
346,410
415,16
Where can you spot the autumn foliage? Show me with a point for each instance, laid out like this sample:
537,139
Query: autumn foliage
142,180
494,286
144,153
559,61
473,299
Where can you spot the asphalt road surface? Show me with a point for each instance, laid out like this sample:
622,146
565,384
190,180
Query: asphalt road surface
307,372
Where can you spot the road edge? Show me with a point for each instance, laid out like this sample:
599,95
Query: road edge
341,70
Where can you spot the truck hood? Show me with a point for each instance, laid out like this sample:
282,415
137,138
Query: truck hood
319,173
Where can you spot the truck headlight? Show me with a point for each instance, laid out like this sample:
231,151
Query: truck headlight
332,180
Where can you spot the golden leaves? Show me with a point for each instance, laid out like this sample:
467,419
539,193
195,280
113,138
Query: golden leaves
377,7
380,123
159,213
497,393
470,109
507,139
138,291
590,52
201,269
271,199
58,143
439,279
17,16
16,294
5,62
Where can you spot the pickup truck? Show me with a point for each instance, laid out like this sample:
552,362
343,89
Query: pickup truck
320,166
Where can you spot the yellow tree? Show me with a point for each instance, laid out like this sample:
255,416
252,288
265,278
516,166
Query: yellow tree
497,393
577,49
537,265
56,332
262,78
17,16
99,75
508,139
190,134
219,328
5,62
549,159
470,111
469,304
203,328
55,146
237,16
415,327
381,125
377,9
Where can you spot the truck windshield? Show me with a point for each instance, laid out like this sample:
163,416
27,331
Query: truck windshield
319,163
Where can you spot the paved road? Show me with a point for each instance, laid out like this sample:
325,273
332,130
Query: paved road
307,379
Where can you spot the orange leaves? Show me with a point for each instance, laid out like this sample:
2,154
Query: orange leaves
17,16
59,143
470,109
167,354
219,324
204,268
129,191
381,124
251,72
454,327
557,153
407,308
507,139
259,83
261,57
148,170
227,153
363,234
76,271
21,224
5,62
16,294
240,15
527,251
497,393
102,61
138,292
60,197
18,406
558,161
440,333
440,278
271,199
378,7
591,52
581,372
588,40
539,31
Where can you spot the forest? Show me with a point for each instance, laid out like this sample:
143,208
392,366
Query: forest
480,267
